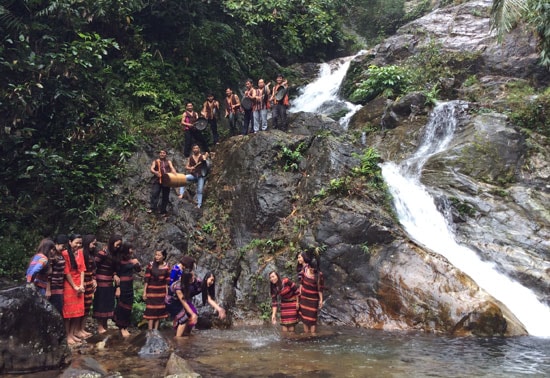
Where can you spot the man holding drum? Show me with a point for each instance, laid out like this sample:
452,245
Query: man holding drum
279,97
210,111
159,167
192,127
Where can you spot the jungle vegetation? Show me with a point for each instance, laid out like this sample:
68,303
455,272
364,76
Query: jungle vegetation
84,83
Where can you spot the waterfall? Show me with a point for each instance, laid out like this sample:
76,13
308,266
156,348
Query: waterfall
321,96
425,224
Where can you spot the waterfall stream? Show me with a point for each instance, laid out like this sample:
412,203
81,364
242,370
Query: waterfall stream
414,205
322,95
424,223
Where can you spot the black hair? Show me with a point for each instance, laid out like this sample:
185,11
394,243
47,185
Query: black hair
72,259
155,271
186,277
275,288
208,290
86,241
61,239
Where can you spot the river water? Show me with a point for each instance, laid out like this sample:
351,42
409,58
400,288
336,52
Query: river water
335,352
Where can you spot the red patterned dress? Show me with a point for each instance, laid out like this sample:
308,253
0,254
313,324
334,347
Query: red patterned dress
309,298
289,296
157,280
73,301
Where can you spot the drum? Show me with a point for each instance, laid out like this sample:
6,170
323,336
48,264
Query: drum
174,180
200,124
281,92
246,103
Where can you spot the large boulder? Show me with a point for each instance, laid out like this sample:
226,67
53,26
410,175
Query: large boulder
32,334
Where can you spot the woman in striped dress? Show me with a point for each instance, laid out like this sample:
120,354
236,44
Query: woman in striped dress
157,278
311,291
106,277
57,278
287,291
89,243
124,293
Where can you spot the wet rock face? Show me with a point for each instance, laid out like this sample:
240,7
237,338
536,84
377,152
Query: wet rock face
155,344
32,334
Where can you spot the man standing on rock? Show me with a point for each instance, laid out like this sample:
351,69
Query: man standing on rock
279,97
158,168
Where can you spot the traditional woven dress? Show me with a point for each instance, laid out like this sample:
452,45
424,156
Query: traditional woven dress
57,281
289,297
157,281
73,301
89,276
123,311
309,298
104,297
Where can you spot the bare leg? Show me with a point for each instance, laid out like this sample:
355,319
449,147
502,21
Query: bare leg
313,329
150,323
101,325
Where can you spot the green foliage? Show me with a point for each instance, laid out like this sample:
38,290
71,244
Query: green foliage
369,168
138,307
266,245
298,26
15,250
291,158
388,81
265,310
506,14
462,207
530,110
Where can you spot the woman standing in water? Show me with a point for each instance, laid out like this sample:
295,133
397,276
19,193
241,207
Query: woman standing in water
104,298
287,291
157,278
125,291
73,290
311,291
89,243
208,290
57,278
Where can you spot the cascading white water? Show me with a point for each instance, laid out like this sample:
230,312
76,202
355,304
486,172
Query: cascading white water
321,95
424,223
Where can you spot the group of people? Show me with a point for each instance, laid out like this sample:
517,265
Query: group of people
301,301
245,116
175,289
79,279
197,169
249,114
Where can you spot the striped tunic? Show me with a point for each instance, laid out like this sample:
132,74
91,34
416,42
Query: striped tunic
57,279
289,297
123,310
89,276
309,298
157,286
104,298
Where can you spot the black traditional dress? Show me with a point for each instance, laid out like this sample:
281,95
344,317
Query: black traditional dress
289,297
309,298
123,310
104,298
157,280
57,278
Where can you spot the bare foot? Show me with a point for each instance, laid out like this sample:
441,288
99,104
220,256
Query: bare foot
124,332
101,330
72,341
